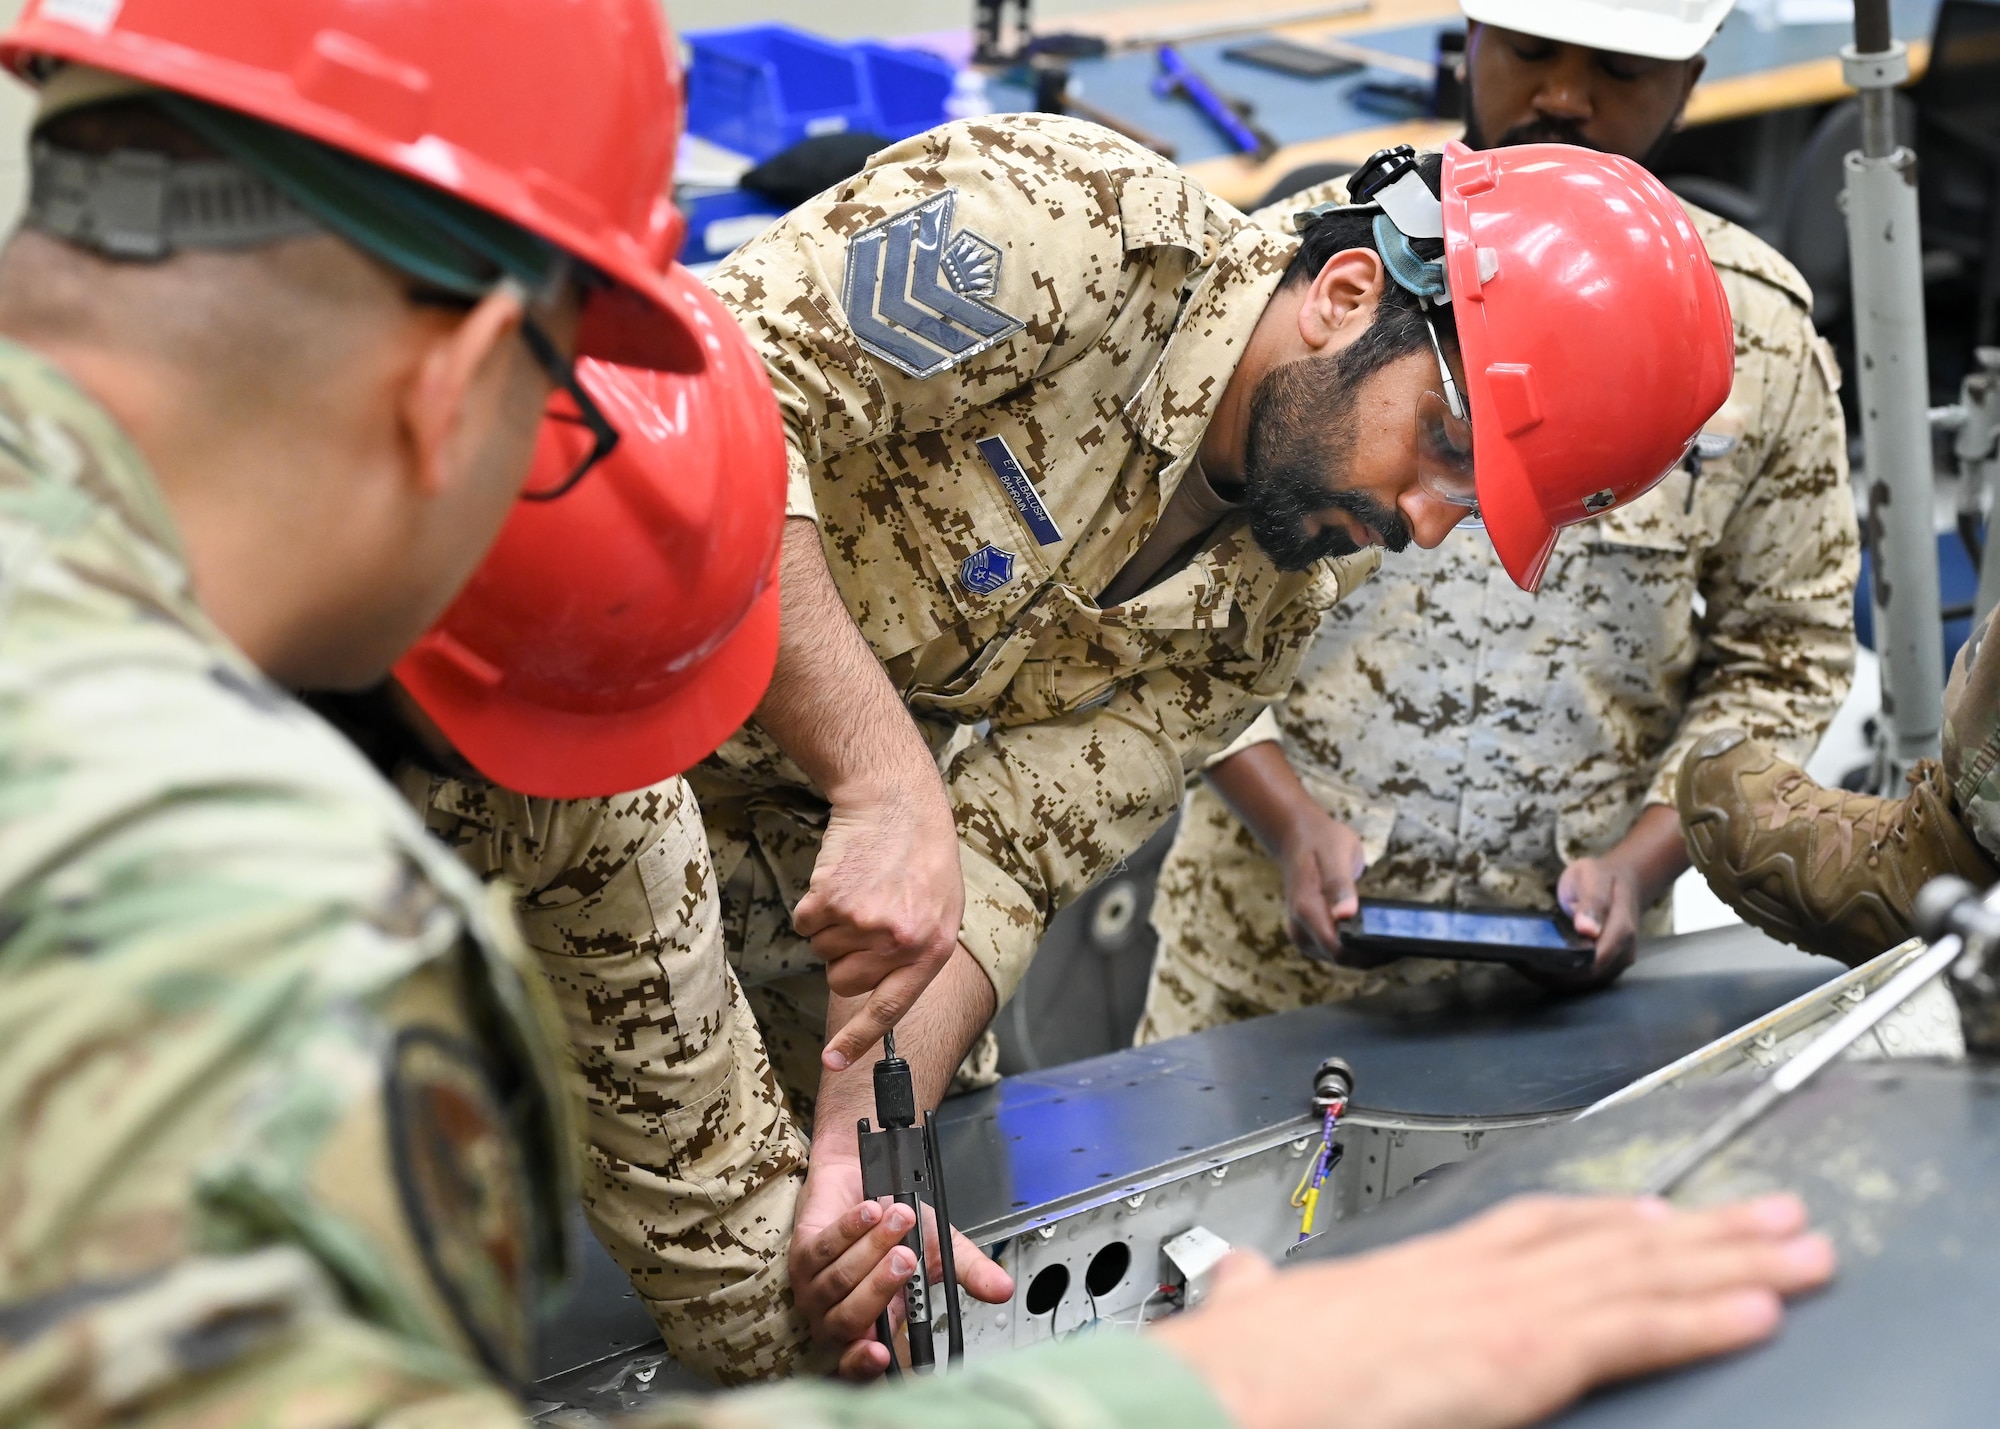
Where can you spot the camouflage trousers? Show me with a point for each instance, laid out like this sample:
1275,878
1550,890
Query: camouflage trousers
764,852
1224,954
692,1166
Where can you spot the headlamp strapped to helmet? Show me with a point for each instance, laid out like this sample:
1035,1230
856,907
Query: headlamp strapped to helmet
1405,209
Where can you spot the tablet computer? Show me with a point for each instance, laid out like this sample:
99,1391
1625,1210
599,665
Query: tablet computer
1387,930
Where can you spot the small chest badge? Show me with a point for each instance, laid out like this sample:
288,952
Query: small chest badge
916,293
986,570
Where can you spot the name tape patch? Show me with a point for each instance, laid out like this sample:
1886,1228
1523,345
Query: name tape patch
1020,490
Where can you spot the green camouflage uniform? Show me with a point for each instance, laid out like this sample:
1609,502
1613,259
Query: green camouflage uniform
1479,739
1972,736
692,1164
282,1138
1079,306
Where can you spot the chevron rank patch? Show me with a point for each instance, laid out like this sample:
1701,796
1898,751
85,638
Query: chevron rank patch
916,292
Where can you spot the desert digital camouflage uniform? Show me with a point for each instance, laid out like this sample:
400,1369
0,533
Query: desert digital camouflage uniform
1479,739
282,1136
692,1164
1070,309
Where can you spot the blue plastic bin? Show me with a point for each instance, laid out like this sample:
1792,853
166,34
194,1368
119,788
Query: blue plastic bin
909,88
764,88
719,223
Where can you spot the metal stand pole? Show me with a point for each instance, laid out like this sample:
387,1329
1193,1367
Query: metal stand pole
1894,382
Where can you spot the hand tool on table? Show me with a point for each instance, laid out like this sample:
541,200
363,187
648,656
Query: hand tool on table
901,1161
1056,93
1234,117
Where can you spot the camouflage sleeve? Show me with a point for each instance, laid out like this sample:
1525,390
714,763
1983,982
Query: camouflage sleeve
693,1165
1038,267
1777,633
254,1341
231,1027
1102,1381
1048,807
1263,730
259,1341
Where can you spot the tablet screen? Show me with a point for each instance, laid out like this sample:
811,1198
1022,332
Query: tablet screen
1458,925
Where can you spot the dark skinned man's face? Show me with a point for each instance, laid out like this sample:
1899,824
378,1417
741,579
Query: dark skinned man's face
1523,89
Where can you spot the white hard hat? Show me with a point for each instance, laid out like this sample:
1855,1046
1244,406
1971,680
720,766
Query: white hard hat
1659,29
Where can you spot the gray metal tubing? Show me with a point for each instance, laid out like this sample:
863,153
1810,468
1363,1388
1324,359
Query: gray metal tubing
1894,383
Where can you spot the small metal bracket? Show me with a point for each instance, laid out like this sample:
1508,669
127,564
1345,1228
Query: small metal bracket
1879,69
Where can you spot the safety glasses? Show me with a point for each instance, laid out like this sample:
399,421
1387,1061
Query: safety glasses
561,371
1444,438
588,415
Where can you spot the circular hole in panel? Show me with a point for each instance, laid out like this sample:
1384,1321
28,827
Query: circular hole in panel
1107,1268
1047,1289
1115,914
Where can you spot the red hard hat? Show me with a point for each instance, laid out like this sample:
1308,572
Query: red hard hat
562,118
1595,333
618,634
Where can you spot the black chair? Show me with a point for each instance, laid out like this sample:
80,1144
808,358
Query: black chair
1303,178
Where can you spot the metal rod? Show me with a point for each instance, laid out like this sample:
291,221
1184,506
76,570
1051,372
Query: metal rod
1894,383
1844,1033
954,1320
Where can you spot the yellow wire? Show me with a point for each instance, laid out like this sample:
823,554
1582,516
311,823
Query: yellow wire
1312,1204
1299,1191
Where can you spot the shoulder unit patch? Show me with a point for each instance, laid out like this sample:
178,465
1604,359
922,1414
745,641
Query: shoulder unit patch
916,293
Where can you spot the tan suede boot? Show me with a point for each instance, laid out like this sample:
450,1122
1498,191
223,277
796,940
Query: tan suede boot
1825,870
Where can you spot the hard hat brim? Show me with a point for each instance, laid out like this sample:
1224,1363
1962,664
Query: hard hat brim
524,747
1510,507
1624,30
634,321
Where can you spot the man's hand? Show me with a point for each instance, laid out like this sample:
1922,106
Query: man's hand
884,908
1321,858
1601,897
1604,896
887,892
1502,1321
848,1263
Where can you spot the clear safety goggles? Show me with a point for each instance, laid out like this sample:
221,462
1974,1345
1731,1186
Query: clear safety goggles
1444,439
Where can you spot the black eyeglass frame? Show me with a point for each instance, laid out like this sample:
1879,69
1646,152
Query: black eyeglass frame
562,371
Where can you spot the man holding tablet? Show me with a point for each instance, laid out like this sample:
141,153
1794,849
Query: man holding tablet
1471,746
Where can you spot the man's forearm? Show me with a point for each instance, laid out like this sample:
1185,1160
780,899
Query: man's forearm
830,705
1654,852
933,1037
1263,790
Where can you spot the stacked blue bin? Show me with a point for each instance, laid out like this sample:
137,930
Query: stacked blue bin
762,89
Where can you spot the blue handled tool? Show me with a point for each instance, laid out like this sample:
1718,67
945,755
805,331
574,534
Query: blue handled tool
1231,116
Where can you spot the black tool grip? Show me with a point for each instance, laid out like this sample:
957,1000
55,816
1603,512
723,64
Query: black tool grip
895,1094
